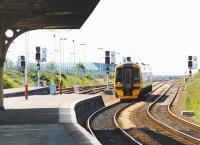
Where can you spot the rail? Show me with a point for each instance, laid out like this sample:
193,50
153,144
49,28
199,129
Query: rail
86,89
173,131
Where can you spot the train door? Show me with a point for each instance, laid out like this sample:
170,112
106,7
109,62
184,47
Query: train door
127,80
127,75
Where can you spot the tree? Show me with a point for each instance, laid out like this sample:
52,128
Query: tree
80,67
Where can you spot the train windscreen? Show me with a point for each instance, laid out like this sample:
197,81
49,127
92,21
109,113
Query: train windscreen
136,77
119,75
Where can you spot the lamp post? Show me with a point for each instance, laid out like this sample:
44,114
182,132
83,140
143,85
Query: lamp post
60,79
100,67
83,44
63,39
61,63
74,52
54,35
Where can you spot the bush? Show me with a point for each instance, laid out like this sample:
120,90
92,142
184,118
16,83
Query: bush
8,83
88,76
13,80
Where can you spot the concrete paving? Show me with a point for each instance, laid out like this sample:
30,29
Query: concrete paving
42,101
42,134
35,121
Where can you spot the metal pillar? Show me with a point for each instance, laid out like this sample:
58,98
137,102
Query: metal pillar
38,75
60,71
74,53
1,88
5,42
190,72
107,88
26,65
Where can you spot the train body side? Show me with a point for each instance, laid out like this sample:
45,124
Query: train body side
147,79
132,81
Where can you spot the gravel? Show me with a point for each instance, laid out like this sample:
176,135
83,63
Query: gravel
105,130
143,129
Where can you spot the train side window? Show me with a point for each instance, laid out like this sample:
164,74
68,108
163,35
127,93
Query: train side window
119,75
136,77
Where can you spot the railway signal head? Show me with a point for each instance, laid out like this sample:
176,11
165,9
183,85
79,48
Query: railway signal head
128,58
44,55
107,53
22,62
107,60
37,49
37,55
189,57
22,57
189,64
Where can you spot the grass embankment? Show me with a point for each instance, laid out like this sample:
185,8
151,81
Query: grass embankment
69,80
192,97
15,79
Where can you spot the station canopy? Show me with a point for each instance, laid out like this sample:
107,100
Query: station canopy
45,14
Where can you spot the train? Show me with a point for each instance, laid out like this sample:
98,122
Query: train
132,80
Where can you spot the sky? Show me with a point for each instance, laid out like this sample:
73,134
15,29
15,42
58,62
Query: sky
160,33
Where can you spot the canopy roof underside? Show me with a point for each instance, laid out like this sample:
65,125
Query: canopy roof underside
45,14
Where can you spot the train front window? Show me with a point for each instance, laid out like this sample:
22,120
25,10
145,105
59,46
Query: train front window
136,77
119,75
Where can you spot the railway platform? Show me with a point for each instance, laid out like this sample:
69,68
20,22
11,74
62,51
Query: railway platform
47,119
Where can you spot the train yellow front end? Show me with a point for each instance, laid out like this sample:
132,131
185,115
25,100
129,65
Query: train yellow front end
129,82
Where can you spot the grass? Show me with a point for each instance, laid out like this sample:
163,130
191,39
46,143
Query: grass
14,79
192,97
72,79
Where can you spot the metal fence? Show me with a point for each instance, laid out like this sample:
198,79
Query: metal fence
100,69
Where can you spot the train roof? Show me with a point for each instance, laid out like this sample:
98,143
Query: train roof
128,63
144,67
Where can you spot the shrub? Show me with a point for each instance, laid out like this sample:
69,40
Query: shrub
88,76
8,83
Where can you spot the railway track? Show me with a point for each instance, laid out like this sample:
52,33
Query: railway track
183,131
139,124
104,126
86,89
175,131
91,89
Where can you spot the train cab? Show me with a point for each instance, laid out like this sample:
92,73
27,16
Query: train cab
132,80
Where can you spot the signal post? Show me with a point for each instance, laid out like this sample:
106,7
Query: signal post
107,62
192,64
37,57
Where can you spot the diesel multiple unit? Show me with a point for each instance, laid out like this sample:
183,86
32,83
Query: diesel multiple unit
132,80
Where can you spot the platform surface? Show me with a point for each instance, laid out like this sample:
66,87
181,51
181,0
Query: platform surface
51,133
